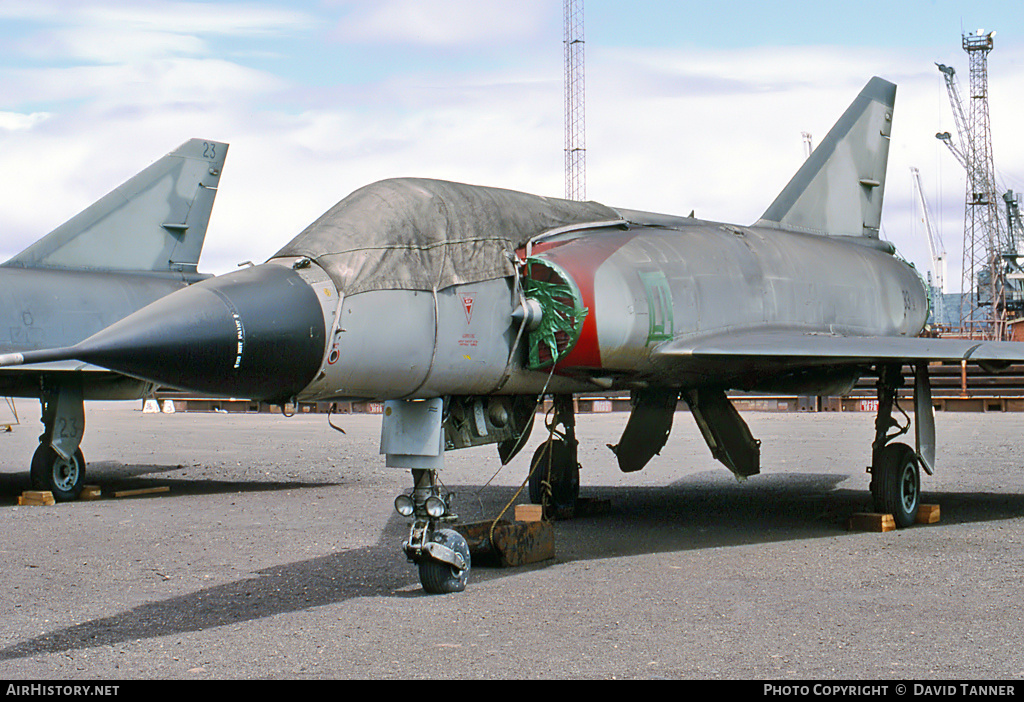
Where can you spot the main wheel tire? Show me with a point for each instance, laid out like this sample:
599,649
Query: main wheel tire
564,474
63,477
441,578
896,484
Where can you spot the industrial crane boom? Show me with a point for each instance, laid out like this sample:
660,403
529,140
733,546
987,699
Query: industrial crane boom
935,245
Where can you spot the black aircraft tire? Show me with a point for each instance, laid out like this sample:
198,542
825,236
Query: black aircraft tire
442,578
896,484
64,478
565,474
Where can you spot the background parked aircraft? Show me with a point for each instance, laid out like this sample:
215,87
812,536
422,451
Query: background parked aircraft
138,243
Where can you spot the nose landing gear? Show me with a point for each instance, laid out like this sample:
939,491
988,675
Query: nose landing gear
441,554
412,437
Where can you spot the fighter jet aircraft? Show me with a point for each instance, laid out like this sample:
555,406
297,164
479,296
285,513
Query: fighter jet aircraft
138,243
461,305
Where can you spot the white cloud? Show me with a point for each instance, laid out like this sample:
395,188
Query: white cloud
162,15
443,23
198,17
14,121
113,45
112,32
669,130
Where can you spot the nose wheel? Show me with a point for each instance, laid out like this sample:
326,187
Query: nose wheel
441,554
441,577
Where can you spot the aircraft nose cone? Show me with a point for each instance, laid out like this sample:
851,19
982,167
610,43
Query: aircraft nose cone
257,333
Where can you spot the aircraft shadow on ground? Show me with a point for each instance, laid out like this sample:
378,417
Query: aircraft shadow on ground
287,588
691,514
112,477
709,511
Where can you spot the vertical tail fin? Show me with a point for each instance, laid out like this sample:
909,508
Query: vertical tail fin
155,221
839,188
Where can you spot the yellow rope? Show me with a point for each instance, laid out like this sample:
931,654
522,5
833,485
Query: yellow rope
547,484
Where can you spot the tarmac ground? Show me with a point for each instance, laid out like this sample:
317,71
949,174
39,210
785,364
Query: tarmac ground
276,554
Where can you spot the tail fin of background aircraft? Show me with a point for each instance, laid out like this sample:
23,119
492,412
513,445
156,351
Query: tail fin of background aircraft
155,221
839,188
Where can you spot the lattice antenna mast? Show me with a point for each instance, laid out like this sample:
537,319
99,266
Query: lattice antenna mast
983,311
575,137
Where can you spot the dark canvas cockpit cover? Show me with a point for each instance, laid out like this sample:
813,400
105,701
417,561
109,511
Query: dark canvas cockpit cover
418,234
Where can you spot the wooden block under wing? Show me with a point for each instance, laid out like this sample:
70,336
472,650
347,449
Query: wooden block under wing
927,514
35,498
529,513
142,491
871,521
91,492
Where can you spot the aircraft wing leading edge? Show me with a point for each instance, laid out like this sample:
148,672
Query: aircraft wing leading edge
828,349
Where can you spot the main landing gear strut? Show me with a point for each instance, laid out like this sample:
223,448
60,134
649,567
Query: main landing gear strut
554,470
58,464
896,467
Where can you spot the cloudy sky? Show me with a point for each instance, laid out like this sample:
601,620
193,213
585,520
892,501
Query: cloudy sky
690,105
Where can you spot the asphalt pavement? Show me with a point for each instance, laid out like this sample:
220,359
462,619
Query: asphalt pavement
275,553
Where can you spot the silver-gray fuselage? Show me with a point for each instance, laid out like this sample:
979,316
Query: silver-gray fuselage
641,286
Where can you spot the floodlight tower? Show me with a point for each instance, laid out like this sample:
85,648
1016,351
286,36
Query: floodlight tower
575,139
983,310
